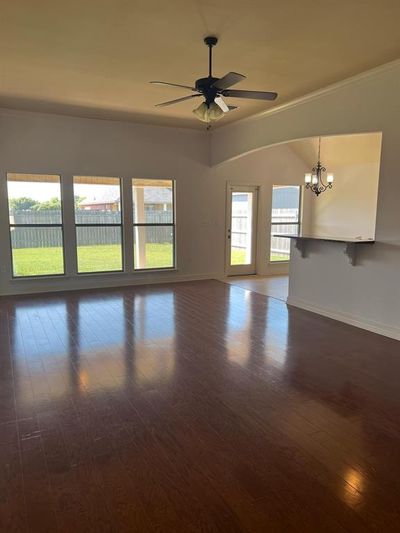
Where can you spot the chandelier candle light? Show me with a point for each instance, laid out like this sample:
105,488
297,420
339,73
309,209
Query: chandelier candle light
314,181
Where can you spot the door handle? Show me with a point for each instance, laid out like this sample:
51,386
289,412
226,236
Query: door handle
229,233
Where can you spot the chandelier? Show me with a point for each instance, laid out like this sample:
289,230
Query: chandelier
314,180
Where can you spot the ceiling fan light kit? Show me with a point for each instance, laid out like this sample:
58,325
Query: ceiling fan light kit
213,90
208,112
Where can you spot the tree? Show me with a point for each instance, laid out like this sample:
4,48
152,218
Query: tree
22,204
49,205
78,200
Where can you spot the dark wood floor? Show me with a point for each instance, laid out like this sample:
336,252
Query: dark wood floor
194,407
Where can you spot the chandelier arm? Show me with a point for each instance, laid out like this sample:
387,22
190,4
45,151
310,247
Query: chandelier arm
323,184
317,172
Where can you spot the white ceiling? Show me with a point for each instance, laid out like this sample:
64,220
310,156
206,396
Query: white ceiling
95,57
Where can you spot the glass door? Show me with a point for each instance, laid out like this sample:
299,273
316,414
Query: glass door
241,230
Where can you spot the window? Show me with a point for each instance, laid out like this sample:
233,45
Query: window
153,224
98,224
285,220
35,218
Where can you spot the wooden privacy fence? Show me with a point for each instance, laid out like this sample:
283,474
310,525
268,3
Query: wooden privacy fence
48,237
280,245
284,221
239,231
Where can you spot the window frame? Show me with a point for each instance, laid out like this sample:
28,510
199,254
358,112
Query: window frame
298,223
102,225
155,224
58,225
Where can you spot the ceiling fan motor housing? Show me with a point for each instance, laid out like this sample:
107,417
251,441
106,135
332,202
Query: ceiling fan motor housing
204,85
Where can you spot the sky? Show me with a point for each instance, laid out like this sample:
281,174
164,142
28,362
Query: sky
44,191
37,191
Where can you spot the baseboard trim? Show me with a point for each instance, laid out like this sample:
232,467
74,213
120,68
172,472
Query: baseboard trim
347,318
110,283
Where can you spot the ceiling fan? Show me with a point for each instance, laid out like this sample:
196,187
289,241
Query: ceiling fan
213,90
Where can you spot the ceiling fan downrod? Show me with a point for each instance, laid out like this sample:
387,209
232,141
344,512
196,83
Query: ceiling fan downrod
210,41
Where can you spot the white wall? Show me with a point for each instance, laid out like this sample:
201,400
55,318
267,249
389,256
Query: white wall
41,143
349,208
367,294
277,165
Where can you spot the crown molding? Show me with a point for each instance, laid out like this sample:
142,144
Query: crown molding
314,95
319,93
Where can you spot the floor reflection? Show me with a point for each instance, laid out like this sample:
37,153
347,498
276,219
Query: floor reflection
238,324
154,317
276,334
258,393
91,344
354,487
154,338
40,346
256,333
100,324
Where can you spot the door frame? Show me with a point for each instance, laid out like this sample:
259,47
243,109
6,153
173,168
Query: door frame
241,270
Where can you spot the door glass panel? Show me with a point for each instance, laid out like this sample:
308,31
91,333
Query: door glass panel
241,228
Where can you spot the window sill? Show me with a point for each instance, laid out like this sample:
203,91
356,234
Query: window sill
123,272
92,274
38,278
142,270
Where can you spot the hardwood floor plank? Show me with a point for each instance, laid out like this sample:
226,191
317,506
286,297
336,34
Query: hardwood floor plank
193,407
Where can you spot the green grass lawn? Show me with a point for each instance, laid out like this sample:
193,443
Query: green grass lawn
278,257
238,257
102,258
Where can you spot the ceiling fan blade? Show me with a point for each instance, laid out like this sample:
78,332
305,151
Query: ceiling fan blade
228,80
220,102
255,95
172,85
171,102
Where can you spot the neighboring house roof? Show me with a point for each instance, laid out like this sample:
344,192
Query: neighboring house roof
98,202
156,195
